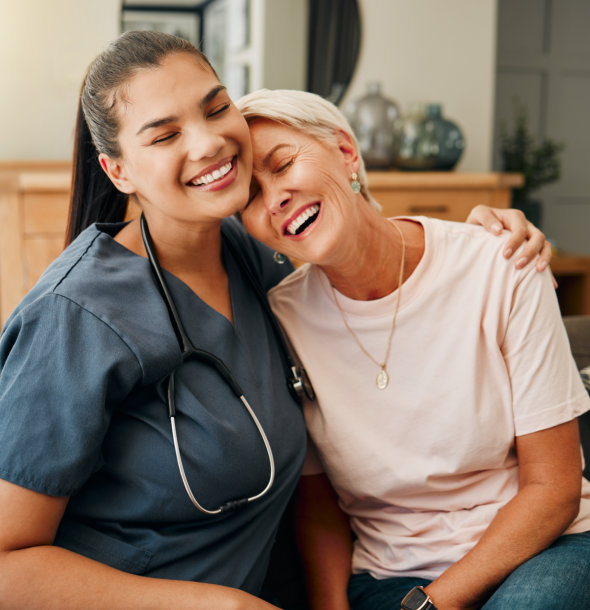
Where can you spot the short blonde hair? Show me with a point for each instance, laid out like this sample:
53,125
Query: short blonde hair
307,112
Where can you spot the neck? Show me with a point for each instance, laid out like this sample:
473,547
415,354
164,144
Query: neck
190,251
371,268
181,248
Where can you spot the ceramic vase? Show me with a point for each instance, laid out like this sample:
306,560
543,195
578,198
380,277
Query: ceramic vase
424,140
448,135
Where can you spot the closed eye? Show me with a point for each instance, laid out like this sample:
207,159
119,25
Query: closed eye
219,110
284,166
165,138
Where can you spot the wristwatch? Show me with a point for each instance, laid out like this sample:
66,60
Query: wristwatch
417,599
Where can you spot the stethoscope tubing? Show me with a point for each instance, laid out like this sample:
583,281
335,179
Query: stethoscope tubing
231,504
189,350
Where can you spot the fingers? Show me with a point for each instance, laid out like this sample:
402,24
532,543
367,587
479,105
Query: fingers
518,236
545,257
522,233
485,216
534,243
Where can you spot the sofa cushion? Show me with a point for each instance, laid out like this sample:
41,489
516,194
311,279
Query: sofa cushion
578,331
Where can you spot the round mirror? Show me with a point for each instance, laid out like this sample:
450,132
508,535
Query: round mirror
334,44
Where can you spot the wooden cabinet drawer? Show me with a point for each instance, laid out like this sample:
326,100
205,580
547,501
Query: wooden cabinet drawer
446,195
453,205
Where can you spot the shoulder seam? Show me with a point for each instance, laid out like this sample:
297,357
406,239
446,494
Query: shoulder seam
67,273
55,294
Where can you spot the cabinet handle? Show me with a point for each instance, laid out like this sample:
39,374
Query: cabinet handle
429,209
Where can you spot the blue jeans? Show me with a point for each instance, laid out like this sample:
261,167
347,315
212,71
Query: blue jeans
555,579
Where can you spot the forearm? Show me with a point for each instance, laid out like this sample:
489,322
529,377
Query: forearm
325,544
50,577
327,562
528,524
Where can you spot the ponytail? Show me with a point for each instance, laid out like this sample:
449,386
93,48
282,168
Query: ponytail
94,197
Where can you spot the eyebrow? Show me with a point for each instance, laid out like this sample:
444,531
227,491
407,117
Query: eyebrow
171,119
272,151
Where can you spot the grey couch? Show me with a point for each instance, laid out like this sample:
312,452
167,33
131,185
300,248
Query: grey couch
578,330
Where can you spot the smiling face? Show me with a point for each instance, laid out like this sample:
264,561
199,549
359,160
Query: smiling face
185,148
301,201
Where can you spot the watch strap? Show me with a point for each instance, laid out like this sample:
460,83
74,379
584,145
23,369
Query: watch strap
417,599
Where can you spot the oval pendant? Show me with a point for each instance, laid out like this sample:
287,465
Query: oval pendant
382,379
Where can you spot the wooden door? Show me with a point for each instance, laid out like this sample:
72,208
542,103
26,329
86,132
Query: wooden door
543,57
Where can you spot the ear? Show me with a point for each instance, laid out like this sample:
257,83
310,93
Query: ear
115,170
348,151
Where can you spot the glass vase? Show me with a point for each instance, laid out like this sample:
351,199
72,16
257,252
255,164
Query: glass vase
372,118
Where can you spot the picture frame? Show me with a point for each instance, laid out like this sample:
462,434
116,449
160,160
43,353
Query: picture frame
220,28
179,21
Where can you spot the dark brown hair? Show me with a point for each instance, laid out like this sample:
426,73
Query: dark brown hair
94,198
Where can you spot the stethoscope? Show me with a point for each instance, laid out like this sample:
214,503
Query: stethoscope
297,380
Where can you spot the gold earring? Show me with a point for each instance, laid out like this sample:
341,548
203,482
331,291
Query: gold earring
355,184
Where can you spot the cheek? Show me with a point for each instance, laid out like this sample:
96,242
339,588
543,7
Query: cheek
239,128
257,222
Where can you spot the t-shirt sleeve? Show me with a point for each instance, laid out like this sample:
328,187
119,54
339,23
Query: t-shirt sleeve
62,372
547,389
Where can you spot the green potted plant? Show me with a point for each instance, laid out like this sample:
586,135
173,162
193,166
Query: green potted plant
538,161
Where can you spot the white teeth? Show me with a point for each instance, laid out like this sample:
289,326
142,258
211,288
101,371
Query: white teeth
216,174
295,224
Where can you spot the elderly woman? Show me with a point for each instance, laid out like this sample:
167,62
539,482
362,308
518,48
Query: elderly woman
447,396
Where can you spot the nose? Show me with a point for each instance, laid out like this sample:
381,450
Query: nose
203,143
275,199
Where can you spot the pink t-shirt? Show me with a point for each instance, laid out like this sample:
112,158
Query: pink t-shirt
479,356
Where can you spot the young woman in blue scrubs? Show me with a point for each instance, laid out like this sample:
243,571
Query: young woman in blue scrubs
91,495
92,503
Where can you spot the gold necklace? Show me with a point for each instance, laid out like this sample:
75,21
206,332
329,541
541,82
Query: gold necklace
382,377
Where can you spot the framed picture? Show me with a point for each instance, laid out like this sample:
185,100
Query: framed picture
179,22
220,28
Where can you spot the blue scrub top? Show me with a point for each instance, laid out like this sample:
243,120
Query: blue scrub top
82,360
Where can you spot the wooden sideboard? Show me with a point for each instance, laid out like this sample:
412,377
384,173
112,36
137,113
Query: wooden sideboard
572,273
34,199
446,195
33,211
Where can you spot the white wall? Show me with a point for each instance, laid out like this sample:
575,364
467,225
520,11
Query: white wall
433,50
46,46
285,46
420,49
